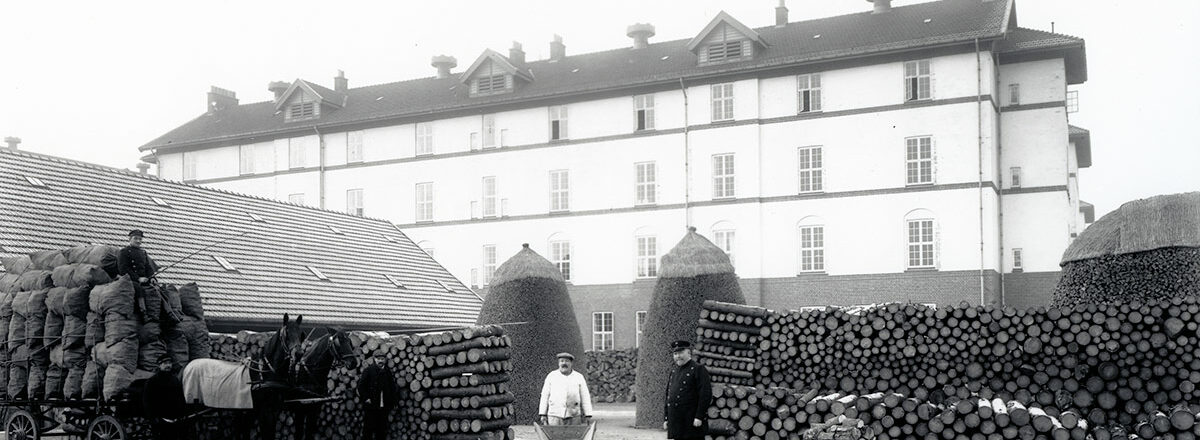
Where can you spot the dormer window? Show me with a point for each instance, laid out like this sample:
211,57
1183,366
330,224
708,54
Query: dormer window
493,74
724,51
725,40
486,85
302,110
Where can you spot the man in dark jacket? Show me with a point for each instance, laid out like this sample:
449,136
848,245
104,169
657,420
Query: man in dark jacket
377,393
134,261
162,401
688,394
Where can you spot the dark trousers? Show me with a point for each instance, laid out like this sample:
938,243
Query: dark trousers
375,424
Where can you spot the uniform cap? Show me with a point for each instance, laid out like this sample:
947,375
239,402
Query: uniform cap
136,233
680,345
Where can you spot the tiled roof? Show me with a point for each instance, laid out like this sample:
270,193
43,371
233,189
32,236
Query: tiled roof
1083,145
1029,39
907,27
84,204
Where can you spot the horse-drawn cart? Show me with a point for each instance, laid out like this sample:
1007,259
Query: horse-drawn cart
92,419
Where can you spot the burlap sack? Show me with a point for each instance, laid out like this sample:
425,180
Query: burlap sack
18,373
149,332
117,329
6,299
73,333
16,265
35,327
62,275
16,325
8,282
116,380
95,330
177,345
73,385
196,332
55,375
174,301
149,354
47,260
152,303
36,386
54,300
189,297
122,353
90,386
116,297
93,254
75,302
35,280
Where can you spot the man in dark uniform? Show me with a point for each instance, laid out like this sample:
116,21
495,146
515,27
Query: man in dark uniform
377,392
688,395
162,401
136,263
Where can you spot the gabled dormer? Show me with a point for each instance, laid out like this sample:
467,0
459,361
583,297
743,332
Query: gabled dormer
304,100
725,40
493,74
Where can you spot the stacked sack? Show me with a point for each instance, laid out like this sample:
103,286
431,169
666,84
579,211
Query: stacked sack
88,266
117,353
188,339
42,381
33,282
8,287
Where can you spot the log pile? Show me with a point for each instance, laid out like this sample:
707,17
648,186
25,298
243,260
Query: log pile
467,394
1155,275
611,374
727,336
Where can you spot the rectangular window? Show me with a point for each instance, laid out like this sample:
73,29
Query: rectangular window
474,140
602,331
489,131
919,160
354,202
297,199
723,176
424,138
1016,259
560,255
489,197
560,195
354,146
424,198
811,163
920,244
246,159
489,263
724,240
1014,94
490,84
722,102
645,183
189,166
809,92
916,80
647,257
643,112
724,50
640,317
296,153
1072,101
558,122
504,137
1016,177
812,248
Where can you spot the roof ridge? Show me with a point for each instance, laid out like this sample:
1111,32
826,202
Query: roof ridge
1057,34
82,164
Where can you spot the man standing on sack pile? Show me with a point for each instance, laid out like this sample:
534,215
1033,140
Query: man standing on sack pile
565,397
688,394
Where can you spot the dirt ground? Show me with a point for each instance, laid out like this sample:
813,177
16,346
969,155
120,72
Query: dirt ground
614,421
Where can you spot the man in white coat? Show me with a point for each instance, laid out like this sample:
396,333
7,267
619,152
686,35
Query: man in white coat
565,397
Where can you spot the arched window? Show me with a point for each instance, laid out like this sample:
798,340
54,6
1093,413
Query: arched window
811,231
645,247
920,232
723,235
558,248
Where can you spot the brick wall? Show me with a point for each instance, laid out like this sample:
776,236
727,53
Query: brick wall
1029,289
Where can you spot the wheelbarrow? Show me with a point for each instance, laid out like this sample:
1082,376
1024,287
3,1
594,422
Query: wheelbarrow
565,432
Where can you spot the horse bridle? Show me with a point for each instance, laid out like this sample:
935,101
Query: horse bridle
331,348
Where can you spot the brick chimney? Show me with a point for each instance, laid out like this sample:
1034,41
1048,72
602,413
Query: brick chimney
340,83
278,87
781,14
220,99
143,168
443,63
516,54
12,142
881,6
558,50
640,33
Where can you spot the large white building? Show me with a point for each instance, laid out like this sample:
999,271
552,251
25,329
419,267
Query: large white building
918,153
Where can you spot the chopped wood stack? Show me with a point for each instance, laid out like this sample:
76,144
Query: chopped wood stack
727,336
467,394
611,375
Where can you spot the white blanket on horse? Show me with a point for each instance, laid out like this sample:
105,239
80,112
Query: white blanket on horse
217,384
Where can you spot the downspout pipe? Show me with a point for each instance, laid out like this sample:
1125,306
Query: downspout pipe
687,155
979,156
999,176
321,166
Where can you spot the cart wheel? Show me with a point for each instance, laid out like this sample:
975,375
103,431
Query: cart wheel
106,428
21,426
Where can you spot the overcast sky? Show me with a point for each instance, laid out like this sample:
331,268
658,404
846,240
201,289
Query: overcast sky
94,80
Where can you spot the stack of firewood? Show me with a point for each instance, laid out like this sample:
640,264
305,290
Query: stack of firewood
467,395
727,336
611,374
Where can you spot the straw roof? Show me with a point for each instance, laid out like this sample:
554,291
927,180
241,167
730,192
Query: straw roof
1171,220
526,264
694,255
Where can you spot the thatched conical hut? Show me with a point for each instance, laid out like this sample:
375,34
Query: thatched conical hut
1146,250
530,289
694,271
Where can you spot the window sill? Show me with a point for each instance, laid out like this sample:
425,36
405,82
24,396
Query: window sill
1018,270
645,130
810,112
812,273
723,122
921,269
724,199
428,221
560,212
552,141
918,101
645,205
811,193
912,185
